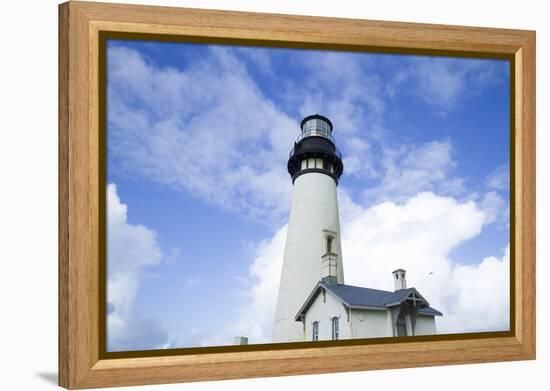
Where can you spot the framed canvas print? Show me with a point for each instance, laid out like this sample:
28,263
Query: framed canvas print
247,195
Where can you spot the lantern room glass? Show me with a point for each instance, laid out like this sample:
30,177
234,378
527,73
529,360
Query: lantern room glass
316,127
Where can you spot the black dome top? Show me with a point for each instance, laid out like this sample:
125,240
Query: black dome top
315,145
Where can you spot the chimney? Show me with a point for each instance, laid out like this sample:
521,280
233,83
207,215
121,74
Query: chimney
329,268
399,279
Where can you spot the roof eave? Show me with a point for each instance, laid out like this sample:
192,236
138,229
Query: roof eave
435,313
299,316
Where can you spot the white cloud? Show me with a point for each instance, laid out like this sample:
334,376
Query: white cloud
203,128
482,302
497,208
350,91
417,235
495,201
207,130
443,82
341,86
130,249
260,58
414,168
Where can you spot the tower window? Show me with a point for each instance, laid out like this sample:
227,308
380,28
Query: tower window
315,333
330,243
318,163
335,329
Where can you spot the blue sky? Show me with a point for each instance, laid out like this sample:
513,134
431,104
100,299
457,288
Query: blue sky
198,137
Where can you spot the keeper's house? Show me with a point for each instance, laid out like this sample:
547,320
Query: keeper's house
338,311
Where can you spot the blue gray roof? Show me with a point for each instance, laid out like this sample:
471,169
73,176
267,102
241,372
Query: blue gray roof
358,296
367,298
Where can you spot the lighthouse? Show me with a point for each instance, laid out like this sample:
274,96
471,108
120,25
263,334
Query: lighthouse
314,304
313,250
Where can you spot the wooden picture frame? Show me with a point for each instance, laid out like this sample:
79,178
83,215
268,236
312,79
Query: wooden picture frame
83,364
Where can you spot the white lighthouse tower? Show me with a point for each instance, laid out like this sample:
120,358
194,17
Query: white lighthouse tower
312,250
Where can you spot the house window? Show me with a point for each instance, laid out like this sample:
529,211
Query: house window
315,336
330,243
335,329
